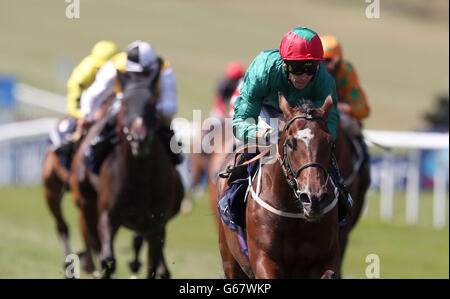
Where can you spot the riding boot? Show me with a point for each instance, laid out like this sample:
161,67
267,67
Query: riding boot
345,201
237,179
166,134
65,148
65,152
63,145
101,144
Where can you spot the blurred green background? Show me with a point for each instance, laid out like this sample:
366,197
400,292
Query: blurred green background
401,58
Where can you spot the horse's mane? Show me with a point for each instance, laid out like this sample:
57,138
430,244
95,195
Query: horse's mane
137,87
137,91
306,106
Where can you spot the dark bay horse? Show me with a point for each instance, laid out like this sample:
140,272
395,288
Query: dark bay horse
137,186
292,219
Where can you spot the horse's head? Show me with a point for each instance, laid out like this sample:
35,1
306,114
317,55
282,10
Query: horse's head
305,151
138,113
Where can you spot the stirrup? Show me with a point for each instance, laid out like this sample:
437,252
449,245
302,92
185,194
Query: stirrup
222,205
227,173
64,148
344,195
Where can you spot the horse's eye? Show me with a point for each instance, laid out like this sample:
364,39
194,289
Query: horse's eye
289,143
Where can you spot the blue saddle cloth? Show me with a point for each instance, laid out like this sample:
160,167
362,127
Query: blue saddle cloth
235,199
59,137
236,203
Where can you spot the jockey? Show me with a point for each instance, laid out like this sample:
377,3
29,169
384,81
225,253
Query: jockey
295,69
352,105
81,78
234,73
139,58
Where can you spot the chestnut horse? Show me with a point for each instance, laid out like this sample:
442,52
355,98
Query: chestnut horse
137,187
55,178
292,219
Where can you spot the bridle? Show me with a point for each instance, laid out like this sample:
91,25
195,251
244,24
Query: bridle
125,129
286,165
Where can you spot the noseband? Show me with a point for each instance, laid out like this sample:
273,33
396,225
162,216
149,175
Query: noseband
126,130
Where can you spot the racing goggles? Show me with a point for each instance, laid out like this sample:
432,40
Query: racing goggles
300,67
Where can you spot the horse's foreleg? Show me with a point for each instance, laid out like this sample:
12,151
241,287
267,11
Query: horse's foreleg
329,268
107,230
265,268
231,267
329,274
87,263
156,241
162,269
54,194
135,264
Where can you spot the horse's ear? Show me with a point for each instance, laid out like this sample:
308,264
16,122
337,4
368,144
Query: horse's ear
284,106
326,107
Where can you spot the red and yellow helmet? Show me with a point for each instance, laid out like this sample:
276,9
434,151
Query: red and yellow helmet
331,47
301,44
235,70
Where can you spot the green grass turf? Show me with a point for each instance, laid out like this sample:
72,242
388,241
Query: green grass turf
29,246
402,58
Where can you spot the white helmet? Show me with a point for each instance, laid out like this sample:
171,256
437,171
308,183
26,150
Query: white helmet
141,56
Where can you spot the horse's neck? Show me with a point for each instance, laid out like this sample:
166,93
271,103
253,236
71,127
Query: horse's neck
276,183
148,165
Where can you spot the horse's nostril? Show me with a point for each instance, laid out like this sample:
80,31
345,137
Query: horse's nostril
304,198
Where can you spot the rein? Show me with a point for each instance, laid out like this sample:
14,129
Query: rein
265,150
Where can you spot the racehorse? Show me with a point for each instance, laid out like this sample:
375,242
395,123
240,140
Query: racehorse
356,175
137,185
55,178
291,220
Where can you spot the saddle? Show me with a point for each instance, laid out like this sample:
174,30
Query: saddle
232,204
61,140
